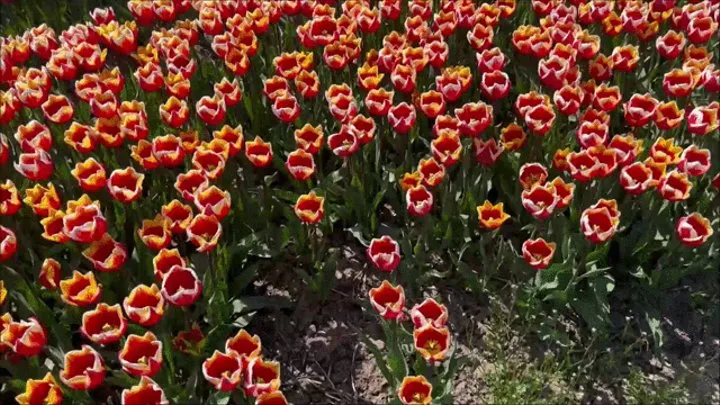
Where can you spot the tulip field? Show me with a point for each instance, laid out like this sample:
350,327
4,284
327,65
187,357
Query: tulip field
359,201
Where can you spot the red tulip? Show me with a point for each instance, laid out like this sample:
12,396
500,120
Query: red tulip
474,118
670,45
636,178
379,101
181,286
540,201
24,338
693,230
402,117
679,83
35,166
432,343
538,253
125,185
487,153
675,186
104,325
384,253
84,369
261,377
694,161
700,30
223,371
552,72
702,120
592,133
211,110
531,174
57,109
388,301
44,391
229,90
81,290
106,254
594,162
491,60
141,356
419,201
429,312
480,37
540,119
147,392
568,99
495,85
431,172
144,305
415,391
150,77
598,224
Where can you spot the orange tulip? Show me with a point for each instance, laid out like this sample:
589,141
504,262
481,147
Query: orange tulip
164,261
178,214
204,232
50,271
492,216
125,185
144,305
155,233
58,109
141,356
81,137
388,301
309,138
415,390
147,392
84,369
244,345
261,377
233,136
432,343
10,199
106,254
44,391
41,199
538,253
223,371
24,338
53,227
104,325
258,152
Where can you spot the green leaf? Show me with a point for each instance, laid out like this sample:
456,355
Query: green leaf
380,361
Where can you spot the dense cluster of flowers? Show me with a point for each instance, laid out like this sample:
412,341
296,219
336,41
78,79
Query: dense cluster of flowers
98,119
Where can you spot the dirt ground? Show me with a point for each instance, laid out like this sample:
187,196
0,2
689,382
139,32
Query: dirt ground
323,360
